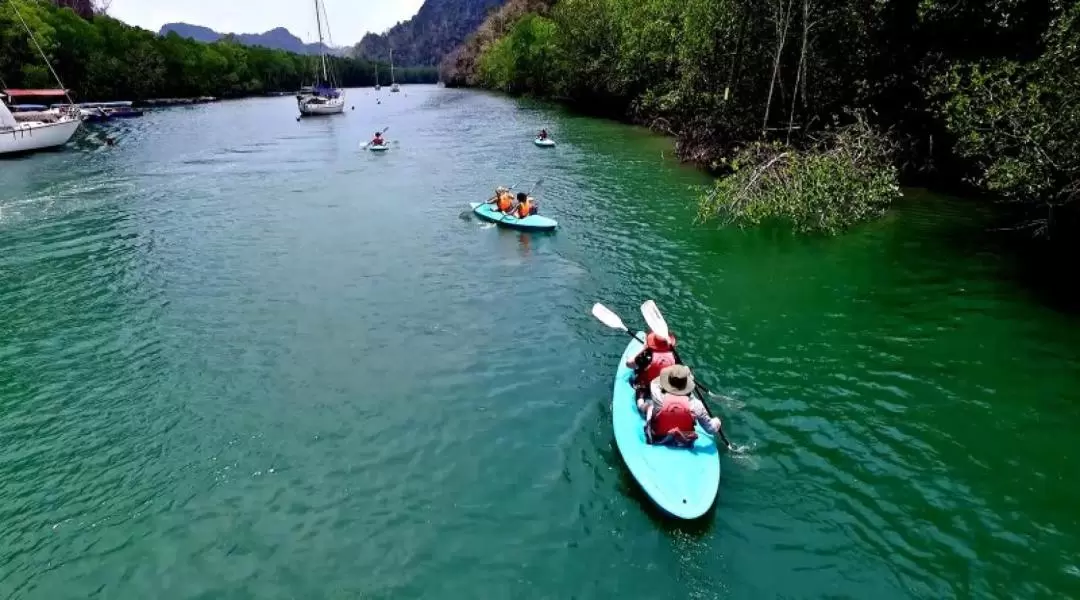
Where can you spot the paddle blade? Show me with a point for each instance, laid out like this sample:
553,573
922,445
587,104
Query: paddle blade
605,316
655,320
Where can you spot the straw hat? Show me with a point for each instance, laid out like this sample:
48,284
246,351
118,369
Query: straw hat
676,379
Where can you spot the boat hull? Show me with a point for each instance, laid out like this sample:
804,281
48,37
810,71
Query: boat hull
548,143
332,106
30,137
683,482
529,223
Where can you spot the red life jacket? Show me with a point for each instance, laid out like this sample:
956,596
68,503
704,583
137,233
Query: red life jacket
660,361
674,422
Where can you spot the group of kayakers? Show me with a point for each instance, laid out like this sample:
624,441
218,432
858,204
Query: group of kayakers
521,207
665,395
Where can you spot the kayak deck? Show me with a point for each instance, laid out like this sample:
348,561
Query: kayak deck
681,481
529,223
544,143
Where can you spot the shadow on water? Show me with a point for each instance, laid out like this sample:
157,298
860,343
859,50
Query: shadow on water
697,528
985,228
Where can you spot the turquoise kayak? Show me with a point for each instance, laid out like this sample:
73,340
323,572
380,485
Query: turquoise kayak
681,481
544,143
529,223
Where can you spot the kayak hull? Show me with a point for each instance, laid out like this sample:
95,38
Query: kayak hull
683,482
548,143
379,148
487,212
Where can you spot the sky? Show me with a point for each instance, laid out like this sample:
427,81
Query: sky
349,19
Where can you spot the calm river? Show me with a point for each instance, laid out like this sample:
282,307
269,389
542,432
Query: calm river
241,358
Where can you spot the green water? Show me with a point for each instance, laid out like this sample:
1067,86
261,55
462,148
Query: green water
240,358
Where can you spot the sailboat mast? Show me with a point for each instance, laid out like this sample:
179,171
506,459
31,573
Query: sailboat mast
391,66
322,46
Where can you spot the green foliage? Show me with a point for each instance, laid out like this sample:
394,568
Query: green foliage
105,59
845,178
989,86
520,62
1018,121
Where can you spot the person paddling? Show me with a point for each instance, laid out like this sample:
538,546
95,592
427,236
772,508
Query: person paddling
503,199
672,411
378,140
524,207
657,353
543,135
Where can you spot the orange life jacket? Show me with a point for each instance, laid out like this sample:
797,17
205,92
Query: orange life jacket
523,209
673,423
505,201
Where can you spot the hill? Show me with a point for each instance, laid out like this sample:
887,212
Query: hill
277,39
438,27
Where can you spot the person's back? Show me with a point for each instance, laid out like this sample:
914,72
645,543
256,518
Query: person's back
524,208
378,141
672,412
505,201
657,354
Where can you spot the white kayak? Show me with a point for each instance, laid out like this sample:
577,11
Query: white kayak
382,148
548,143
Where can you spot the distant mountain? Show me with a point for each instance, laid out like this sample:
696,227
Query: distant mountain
439,27
278,39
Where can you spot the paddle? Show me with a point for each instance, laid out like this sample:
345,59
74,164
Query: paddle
527,194
612,320
364,146
656,322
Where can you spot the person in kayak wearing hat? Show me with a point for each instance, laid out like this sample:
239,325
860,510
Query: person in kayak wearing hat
657,353
671,413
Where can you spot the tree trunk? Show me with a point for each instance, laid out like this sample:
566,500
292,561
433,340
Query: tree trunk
801,70
783,20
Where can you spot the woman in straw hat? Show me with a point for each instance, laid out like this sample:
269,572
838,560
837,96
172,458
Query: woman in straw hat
672,411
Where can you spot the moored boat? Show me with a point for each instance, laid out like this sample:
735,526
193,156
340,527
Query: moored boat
30,128
324,98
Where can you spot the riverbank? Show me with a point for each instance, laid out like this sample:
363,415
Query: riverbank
104,59
725,77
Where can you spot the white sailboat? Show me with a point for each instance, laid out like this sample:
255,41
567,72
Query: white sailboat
394,87
17,137
36,131
323,98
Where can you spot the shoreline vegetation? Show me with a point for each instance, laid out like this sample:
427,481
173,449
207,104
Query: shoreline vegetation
814,111
100,58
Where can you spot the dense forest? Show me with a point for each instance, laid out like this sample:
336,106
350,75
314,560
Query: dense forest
438,27
100,58
812,108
